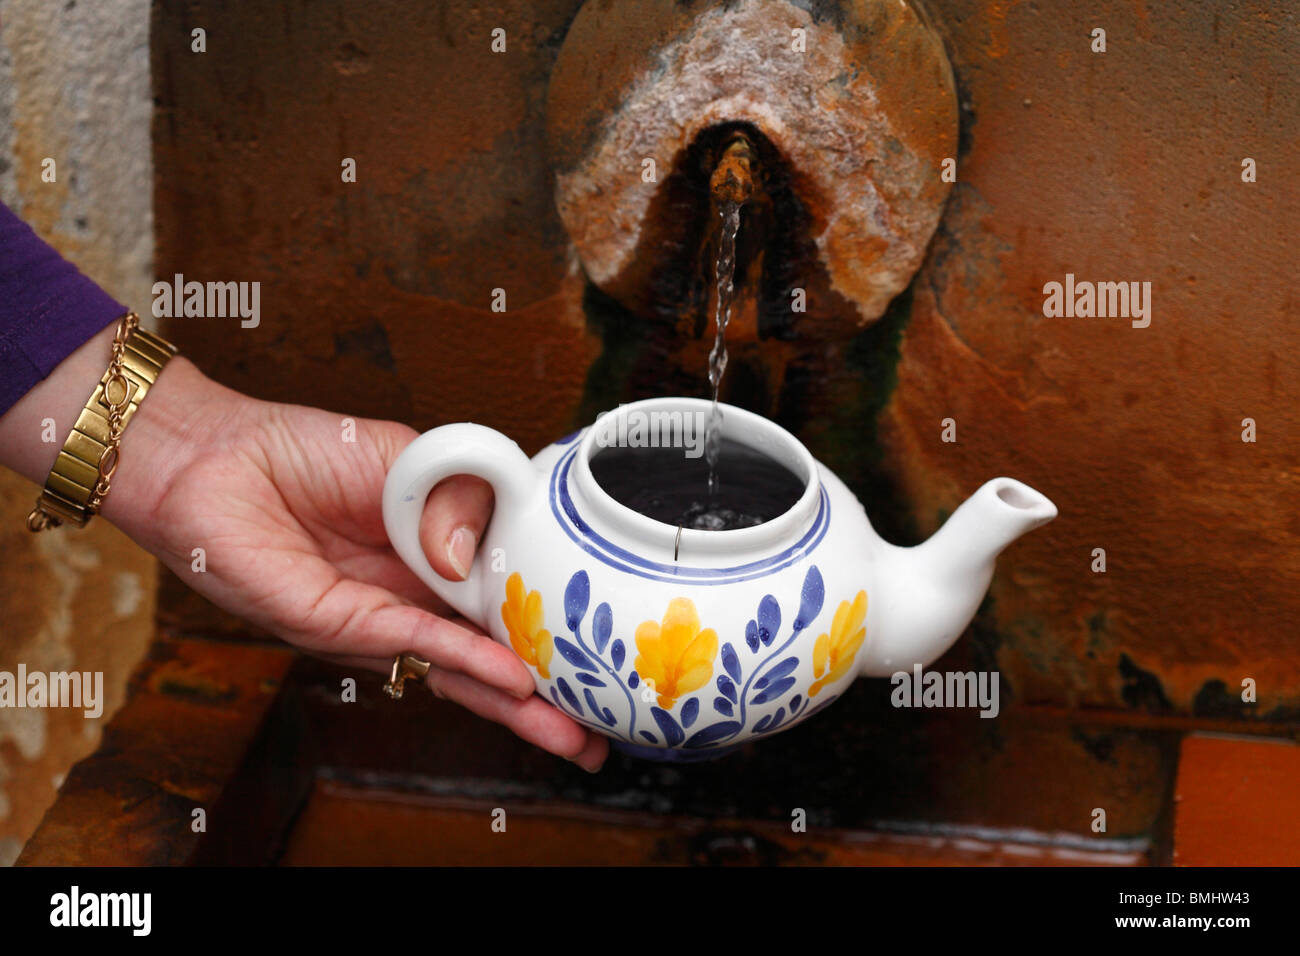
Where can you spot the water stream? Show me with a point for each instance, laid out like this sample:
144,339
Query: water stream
725,277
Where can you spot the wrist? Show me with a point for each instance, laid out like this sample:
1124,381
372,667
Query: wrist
184,414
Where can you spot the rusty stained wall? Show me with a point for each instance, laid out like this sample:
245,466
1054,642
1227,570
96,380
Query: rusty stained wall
1115,166
375,295
1123,166
74,86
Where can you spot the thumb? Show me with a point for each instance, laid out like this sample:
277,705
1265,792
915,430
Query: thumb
453,522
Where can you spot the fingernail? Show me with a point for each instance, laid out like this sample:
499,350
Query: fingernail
577,761
460,550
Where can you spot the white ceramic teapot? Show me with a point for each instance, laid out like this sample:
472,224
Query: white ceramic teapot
681,643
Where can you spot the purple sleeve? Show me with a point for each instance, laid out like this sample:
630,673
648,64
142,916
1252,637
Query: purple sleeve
47,309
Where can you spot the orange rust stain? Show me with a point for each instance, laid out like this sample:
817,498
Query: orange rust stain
1134,433
997,13
1237,802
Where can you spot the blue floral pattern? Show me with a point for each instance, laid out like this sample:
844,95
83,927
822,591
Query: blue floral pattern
765,675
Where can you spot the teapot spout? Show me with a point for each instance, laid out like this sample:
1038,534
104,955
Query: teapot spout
932,591
981,528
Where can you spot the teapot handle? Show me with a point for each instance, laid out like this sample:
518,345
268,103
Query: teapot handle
460,449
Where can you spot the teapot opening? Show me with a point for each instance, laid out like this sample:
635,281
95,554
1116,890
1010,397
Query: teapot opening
642,468
663,484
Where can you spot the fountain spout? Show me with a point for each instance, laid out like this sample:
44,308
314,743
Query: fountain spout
733,178
853,195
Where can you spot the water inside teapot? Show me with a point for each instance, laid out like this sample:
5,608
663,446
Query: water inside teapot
666,485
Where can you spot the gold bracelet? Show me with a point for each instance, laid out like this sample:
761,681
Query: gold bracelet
84,469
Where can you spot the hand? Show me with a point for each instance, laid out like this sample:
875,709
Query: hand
289,518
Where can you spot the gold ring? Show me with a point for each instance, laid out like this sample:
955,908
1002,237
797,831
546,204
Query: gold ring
405,667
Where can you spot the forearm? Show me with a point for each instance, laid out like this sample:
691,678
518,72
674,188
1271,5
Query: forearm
34,429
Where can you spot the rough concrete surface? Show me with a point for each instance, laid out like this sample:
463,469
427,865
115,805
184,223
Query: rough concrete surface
74,87
825,92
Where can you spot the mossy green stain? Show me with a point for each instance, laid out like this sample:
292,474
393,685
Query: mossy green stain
848,440
623,336
845,435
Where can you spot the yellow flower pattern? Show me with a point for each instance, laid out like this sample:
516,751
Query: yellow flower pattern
522,615
834,652
676,654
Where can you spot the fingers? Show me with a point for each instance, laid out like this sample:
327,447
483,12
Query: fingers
391,439
387,571
398,628
533,720
592,757
361,620
452,524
